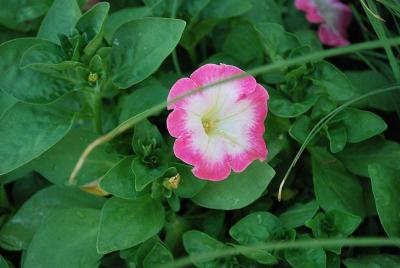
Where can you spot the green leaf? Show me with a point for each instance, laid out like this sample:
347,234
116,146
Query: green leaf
196,242
242,43
264,11
122,16
57,163
362,125
385,186
127,223
322,107
277,41
174,202
337,139
27,131
330,78
146,135
17,233
136,255
205,15
283,106
141,99
229,194
67,239
120,180
300,129
42,53
91,25
357,157
334,224
27,84
4,263
140,46
60,19
258,228
225,9
310,258
158,255
309,38
161,8
298,214
259,255
373,261
17,174
6,102
367,81
22,15
332,260
334,187
145,173
189,185
213,222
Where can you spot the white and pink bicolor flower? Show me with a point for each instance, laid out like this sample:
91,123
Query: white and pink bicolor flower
333,16
222,127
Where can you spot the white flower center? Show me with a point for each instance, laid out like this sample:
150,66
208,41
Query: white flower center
219,123
208,125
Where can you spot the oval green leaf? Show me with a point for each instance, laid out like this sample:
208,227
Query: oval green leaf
19,230
67,239
60,19
127,223
238,190
140,46
385,187
27,84
57,163
27,131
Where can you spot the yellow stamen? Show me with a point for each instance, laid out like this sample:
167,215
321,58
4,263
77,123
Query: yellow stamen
208,125
93,77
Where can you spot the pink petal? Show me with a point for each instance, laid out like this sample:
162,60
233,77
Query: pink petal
212,171
257,148
211,73
184,150
342,19
312,13
247,83
242,161
181,86
176,123
260,101
331,37
207,74
334,16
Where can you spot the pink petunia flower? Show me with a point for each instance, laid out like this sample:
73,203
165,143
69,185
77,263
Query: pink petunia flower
221,128
334,18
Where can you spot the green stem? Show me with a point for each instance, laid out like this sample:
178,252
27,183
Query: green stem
97,113
97,107
174,55
176,62
193,56
256,71
283,245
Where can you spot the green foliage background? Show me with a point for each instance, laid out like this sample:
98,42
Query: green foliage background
71,73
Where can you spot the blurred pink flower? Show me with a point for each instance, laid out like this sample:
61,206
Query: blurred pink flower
333,16
221,128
